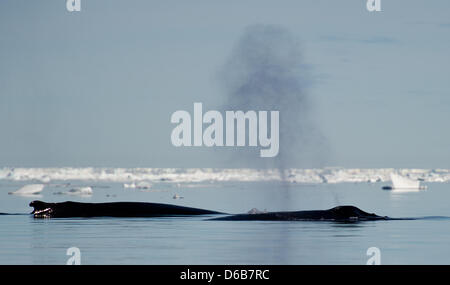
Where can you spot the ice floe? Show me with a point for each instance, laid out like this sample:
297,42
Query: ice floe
143,177
27,190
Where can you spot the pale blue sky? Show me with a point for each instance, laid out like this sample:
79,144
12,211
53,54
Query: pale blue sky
98,87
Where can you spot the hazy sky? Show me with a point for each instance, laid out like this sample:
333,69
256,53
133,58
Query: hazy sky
98,87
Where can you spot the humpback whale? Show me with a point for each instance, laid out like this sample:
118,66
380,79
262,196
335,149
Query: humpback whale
338,214
115,209
140,209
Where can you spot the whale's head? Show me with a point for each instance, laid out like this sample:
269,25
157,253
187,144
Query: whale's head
41,209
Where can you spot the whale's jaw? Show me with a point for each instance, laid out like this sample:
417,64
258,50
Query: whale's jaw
41,209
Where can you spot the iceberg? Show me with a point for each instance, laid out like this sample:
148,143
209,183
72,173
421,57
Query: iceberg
143,185
404,183
81,191
131,185
176,196
27,190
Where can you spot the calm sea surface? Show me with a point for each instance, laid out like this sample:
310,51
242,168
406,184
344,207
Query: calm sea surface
24,240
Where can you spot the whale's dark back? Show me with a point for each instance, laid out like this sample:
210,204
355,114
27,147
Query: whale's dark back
340,213
115,209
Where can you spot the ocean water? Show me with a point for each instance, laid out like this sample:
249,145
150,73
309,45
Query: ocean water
195,240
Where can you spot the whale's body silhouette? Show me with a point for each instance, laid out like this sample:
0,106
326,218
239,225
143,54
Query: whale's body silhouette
140,209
